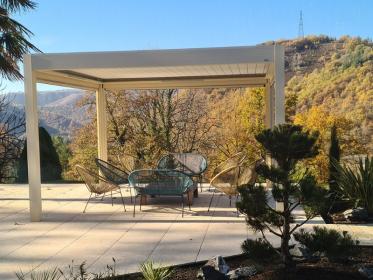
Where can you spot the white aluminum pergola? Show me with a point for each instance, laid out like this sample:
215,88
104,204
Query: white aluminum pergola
258,66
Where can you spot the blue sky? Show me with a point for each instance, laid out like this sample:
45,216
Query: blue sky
98,25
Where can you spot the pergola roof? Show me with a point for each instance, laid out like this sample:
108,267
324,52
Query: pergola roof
202,67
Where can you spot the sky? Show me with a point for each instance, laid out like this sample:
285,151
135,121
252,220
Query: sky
109,25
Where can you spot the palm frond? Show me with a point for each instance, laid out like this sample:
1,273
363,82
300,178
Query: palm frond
17,5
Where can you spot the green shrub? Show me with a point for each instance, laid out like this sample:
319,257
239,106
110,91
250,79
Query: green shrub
50,166
333,244
151,272
258,249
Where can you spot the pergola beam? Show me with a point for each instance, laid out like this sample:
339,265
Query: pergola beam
204,82
66,81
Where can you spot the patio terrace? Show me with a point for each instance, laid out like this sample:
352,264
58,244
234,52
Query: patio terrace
158,232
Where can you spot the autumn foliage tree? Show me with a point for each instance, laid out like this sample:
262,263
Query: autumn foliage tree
146,124
319,119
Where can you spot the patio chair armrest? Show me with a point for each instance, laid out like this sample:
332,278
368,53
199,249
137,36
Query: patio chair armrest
221,173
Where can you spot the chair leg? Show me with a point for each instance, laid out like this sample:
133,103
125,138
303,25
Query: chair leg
182,206
200,183
124,206
134,206
230,201
87,202
112,202
208,210
189,199
130,193
238,214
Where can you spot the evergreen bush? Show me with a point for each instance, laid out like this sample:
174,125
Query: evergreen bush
50,165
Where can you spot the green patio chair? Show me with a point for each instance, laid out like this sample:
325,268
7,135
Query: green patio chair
160,182
113,174
191,164
98,186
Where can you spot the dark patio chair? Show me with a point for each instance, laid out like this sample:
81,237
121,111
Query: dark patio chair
191,164
157,182
113,174
228,180
98,186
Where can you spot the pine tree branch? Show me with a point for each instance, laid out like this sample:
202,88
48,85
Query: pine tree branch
269,243
295,205
272,210
301,224
269,229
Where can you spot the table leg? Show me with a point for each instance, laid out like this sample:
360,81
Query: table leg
195,192
143,200
190,197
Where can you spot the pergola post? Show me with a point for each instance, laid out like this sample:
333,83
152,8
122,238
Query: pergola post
32,133
279,95
101,123
279,84
269,105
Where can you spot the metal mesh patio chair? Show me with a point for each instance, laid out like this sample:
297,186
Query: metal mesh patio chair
191,164
228,180
235,160
113,174
157,182
232,161
98,185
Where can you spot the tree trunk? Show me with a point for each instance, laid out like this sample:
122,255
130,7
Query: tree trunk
286,256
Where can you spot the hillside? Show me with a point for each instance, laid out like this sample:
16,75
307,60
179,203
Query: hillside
336,76
58,112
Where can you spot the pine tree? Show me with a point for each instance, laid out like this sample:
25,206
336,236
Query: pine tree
286,144
49,161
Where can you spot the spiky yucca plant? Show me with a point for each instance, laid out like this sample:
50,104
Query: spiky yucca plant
355,183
